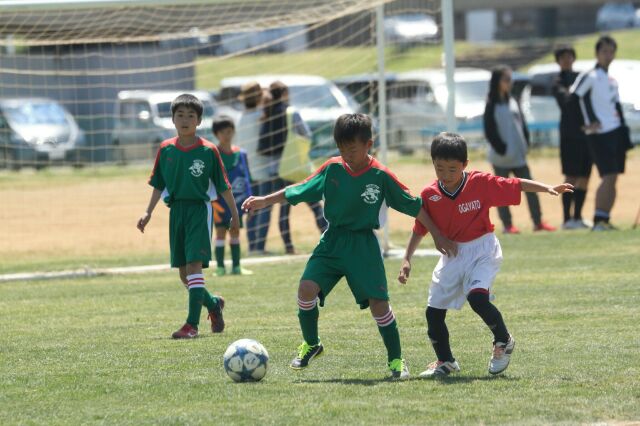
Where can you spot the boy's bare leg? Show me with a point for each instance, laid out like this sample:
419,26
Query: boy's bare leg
605,196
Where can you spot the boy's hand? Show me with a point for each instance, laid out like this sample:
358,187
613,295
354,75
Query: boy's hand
560,189
445,245
405,270
254,203
142,222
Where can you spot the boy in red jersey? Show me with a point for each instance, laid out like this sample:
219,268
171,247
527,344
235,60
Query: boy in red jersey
354,187
458,202
188,174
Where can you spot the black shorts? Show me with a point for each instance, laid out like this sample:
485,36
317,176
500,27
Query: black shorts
574,155
609,151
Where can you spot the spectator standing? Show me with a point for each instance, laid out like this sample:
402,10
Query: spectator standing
607,134
274,134
247,136
574,155
506,130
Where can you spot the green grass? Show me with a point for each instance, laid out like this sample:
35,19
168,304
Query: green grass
326,62
97,351
343,61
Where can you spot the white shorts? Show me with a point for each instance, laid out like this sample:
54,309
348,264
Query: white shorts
475,266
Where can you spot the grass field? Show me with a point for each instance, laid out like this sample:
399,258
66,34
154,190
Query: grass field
97,351
343,61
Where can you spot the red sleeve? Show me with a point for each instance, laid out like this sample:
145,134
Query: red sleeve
418,227
503,191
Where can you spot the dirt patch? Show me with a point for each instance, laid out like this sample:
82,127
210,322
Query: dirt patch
97,219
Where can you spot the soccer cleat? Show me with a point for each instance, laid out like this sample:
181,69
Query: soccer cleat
501,356
603,226
186,332
305,354
220,271
239,270
570,224
440,369
511,230
544,226
581,224
399,369
215,315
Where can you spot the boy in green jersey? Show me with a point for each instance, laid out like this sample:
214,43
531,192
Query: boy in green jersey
188,174
354,186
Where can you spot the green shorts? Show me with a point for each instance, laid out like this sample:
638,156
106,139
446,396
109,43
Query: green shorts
190,232
352,254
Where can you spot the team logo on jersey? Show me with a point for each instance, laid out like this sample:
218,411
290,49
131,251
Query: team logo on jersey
435,197
371,194
197,168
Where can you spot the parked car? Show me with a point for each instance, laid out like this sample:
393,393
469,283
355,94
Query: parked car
410,28
416,103
143,120
318,100
613,16
540,107
38,132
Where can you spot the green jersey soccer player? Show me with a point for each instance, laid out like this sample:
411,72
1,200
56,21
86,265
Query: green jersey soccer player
188,174
354,187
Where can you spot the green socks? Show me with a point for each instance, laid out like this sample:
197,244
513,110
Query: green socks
309,325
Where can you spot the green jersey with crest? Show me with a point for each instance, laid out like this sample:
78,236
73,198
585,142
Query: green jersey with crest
352,201
189,173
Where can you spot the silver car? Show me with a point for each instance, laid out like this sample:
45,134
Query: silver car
143,120
38,132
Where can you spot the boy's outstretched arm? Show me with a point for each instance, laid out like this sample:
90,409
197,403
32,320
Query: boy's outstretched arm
227,196
443,244
146,217
256,203
535,186
405,268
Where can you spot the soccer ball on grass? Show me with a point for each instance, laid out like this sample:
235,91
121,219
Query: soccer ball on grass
246,360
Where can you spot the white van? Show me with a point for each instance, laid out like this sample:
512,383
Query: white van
416,103
143,120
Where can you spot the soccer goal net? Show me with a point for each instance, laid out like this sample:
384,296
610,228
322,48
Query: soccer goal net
91,83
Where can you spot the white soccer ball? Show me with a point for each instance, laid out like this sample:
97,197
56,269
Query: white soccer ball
246,360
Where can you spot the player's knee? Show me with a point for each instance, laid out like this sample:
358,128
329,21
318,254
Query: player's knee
308,290
478,300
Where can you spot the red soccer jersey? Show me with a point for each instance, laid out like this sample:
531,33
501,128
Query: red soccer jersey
464,215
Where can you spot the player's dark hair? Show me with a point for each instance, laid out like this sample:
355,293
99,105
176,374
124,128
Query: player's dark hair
494,84
222,122
188,101
352,127
561,50
449,146
606,39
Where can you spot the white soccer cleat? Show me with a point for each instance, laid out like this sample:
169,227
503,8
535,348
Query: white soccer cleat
440,369
501,356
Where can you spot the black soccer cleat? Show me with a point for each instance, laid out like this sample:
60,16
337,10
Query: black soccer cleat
305,354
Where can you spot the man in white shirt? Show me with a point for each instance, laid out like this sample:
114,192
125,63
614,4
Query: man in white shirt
607,135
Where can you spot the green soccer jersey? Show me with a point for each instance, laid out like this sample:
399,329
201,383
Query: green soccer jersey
353,200
191,173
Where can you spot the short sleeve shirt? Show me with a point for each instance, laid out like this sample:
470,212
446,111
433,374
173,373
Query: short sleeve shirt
598,93
189,173
353,200
464,215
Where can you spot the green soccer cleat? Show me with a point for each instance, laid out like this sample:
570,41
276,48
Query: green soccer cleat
306,353
239,270
220,271
399,369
